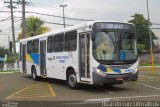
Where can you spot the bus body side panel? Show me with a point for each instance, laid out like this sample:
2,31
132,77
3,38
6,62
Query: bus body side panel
50,66
29,64
57,64
32,60
93,65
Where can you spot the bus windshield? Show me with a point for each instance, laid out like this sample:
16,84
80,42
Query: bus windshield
115,46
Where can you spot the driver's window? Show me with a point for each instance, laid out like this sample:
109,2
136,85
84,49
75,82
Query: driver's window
104,46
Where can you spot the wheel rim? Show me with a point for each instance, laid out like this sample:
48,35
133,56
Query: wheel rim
34,75
72,80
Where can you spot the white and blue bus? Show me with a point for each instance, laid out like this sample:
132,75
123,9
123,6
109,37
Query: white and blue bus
95,52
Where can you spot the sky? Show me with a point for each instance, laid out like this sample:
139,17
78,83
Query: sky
110,10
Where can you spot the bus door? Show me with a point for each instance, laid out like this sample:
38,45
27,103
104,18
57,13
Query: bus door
43,57
84,56
24,58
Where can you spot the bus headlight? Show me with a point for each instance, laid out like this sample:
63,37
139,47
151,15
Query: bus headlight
135,71
100,72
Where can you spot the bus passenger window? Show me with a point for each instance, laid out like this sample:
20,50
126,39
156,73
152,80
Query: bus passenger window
35,46
50,44
59,43
29,47
71,41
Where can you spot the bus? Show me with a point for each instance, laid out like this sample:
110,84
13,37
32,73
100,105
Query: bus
96,52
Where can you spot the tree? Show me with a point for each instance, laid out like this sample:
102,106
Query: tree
11,59
142,32
3,51
34,26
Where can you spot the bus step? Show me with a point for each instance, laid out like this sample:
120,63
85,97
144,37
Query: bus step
44,76
88,82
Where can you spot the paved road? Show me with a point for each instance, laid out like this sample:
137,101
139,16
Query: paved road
17,88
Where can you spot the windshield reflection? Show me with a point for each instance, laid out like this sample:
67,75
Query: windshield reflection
115,46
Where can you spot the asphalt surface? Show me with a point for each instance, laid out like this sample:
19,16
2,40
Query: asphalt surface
19,90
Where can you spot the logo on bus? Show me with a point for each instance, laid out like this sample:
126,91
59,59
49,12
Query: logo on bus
62,59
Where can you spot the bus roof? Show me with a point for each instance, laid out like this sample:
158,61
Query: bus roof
68,29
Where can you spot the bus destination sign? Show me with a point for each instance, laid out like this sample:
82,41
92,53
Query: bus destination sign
119,26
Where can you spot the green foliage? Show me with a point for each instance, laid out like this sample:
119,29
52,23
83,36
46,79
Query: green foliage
12,59
34,26
3,51
142,32
147,64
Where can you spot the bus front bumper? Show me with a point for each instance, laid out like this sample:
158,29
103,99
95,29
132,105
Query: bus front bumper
114,78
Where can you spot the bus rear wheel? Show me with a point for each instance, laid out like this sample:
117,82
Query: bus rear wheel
72,80
34,74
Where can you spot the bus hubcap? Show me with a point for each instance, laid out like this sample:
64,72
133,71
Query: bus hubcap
72,80
34,75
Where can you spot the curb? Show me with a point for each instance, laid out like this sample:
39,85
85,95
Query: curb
148,66
142,68
8,72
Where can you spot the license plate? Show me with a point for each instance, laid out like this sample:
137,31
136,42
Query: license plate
119,79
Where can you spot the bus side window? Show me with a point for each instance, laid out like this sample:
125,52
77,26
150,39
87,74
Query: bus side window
29,47
35,46
59,42
71,41
50,44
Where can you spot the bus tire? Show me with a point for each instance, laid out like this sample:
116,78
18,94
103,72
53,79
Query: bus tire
34,74
72,80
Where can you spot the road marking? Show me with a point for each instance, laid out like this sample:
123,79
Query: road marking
110,92
115,98
18,91
34,91
27,97
51,90
149,86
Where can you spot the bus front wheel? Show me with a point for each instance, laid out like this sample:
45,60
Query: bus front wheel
72,80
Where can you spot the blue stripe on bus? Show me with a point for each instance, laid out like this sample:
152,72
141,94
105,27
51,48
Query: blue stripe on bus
117,70
35,58
102,68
